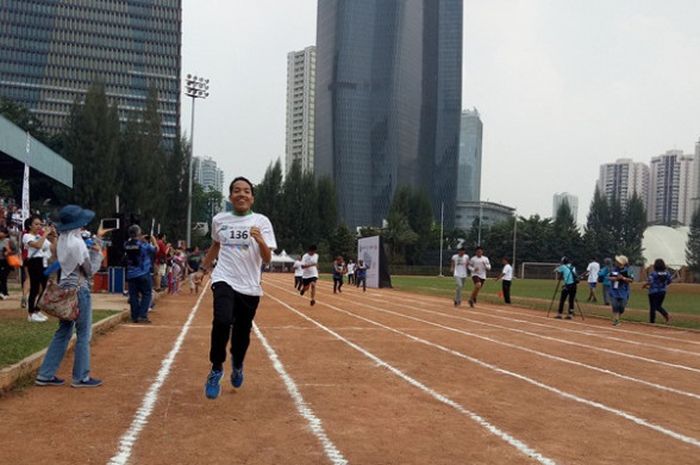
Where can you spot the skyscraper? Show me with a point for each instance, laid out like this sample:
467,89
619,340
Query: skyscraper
51,51
388,102
673,187
469,170
208,174
696,199
622,179
572,200
301,91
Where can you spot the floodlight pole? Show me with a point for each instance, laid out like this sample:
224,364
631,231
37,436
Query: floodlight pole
196,87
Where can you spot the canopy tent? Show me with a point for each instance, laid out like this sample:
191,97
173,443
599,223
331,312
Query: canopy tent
281,262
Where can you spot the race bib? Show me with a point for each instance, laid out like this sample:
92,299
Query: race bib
237,236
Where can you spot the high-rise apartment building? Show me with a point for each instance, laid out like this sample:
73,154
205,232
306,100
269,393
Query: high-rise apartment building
696,199
622,179
572,200
208,174
469,165
301,92
388,102
52,51
673,188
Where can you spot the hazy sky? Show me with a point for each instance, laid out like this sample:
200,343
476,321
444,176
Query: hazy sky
562,86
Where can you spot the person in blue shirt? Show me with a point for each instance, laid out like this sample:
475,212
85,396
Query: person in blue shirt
604,277
567,274
657,282
139,255
620,279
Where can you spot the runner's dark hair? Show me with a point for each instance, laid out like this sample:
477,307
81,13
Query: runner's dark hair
241,178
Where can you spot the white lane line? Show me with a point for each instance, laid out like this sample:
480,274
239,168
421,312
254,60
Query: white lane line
532,351
621,413
332,452
518,444
569,330
129,438
438,301
562,341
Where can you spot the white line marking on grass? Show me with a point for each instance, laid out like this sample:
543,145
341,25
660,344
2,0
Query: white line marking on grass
532,351
562,341
332,452
129,438
568,330
621,413
519,445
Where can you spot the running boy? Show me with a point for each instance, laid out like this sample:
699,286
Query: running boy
478,265
458,267
309,263
242,241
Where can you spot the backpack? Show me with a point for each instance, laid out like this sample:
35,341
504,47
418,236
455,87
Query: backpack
132,253
574,275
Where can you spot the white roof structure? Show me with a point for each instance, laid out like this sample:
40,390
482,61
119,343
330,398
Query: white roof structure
282,258
666,243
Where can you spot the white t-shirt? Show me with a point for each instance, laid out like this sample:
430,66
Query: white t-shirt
351,268
593,269
479,266
298,270
239,264
507,272
32,252
460,265
312,271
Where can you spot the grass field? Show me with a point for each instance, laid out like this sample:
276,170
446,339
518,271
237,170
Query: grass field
21,338
682,300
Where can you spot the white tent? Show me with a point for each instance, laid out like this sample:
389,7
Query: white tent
667,243
281,262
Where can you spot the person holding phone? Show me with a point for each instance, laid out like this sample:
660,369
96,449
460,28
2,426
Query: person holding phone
38,254
243,241
620,279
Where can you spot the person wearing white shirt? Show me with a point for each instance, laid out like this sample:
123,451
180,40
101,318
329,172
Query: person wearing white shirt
478,265
351,272
507,279
38,245
298,273
309,263
242,242
592,271
458,267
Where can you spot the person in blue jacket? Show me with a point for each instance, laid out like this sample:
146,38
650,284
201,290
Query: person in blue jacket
657,282
604,278
567,274
620,279
138,254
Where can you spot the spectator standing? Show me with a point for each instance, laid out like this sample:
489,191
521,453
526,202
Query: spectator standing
138,273
78,264
507,279
592,272
458,267
604,278
7,247
36,241
567,274
351,272
657,283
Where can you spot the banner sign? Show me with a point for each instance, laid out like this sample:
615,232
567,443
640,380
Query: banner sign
368,251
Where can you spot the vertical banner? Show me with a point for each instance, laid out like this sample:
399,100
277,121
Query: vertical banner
25,182
368,251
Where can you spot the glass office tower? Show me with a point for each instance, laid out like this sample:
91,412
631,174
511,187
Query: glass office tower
51,51
388,102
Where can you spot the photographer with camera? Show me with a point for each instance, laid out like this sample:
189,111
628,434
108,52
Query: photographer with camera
657,282
139,255
567,274
620,279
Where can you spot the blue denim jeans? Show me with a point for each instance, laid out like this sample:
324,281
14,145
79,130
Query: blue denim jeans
140,290
59,343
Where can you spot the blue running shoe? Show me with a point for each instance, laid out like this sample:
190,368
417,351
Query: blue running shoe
237,377
87,383
212,388
54,381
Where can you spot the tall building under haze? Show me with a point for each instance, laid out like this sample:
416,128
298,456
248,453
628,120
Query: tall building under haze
624,178
388,102
301,91
572,200
52,51
673,188
469,165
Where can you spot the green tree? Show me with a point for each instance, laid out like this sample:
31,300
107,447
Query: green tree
597,236
342,242
22,117
91,142
692,251
327,209
268,192
635,222
177,171
566,238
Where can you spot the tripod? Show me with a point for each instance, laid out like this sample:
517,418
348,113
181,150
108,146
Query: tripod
554,296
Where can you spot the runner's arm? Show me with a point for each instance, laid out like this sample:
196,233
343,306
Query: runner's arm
211,255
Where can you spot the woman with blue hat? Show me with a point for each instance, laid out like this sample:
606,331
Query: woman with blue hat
78,264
